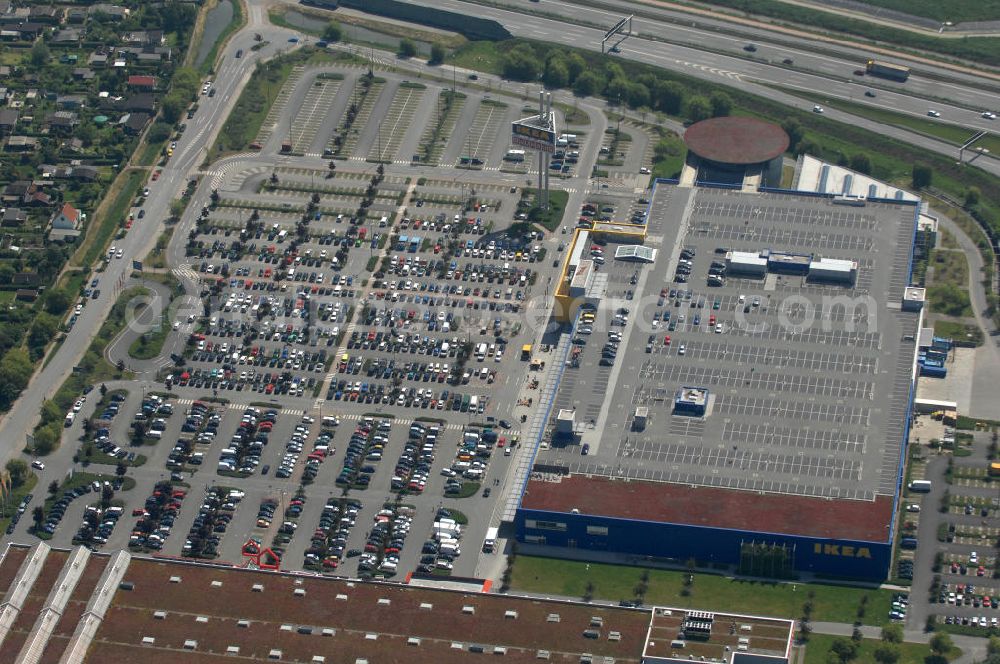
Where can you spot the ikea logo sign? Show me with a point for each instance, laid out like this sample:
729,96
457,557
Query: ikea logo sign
842,551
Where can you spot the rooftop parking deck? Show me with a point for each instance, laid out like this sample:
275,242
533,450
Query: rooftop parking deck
808,380
360,619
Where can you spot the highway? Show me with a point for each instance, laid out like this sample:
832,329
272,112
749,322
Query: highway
191,147
710,52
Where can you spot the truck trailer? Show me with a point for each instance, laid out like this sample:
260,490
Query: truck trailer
887,70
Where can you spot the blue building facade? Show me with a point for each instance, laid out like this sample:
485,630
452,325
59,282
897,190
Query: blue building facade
707,545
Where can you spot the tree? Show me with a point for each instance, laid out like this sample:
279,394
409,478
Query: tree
937,659
586,84
922,176
437,54
53,486
407,48
120,469
697,108
892,633
844,649
38,516
138,433
18,471
173,105
721,103
972,196
177,207
993,646
556,74
886,653
160,131
56,301
107,493
15,370
521,65
861,163
637,95
40,54
670,97
794,131
333,32
941,644
47,438
575,65
42,331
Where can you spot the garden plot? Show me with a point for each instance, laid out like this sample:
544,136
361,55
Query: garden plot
345,139
312,112
392,128
439,130
490,116
270,123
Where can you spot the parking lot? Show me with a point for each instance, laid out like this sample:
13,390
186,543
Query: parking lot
356,383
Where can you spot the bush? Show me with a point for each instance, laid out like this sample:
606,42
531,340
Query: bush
407,48
437,54
333,32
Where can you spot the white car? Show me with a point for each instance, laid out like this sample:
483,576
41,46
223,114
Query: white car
817,109
933,113
682,350
989,115
77,406
644,171
38,465
119,254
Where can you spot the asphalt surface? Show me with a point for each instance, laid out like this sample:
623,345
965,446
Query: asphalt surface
233,73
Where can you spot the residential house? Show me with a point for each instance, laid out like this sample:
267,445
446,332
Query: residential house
70,101
114,11
14,192
72,144
26,294
49,14
98,59
8,119
144,83
29,30
62,121
67,36
83,74
28,279
65,226
84,172
144,38
13,216
134,123
142,101
36,196
21,144
76,15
